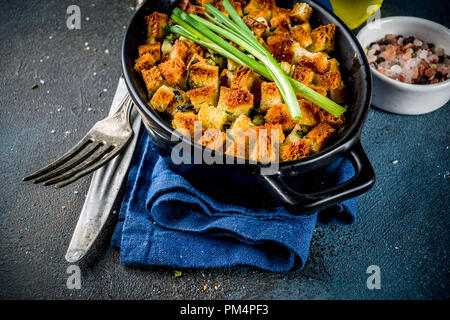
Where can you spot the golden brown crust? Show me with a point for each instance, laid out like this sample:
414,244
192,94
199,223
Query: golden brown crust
301,12
323,38
294,151
302,36
152,79
257,27
279,114
317,62
330,80
162,98
156,22
174,71
238,102
179,51
302,74
320,136
309,113
204,95
214,139
281,46
185,122
243,78
149,55
281,20
270,96
202,74
335,122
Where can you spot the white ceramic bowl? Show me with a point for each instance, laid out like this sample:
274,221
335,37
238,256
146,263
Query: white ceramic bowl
395,96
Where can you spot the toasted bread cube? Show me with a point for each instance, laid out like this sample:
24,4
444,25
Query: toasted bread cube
174,71
204,2
335,122
306,27
214,139
235,102
320,136
198,10
281,20
329,81
242,123
243,78
149,55
226,77
281,47
334,65
212,117
256,26
180,98
301,12
294,151
279,114
156,23
301,36
323,38
270,96
318,62
179,51
265,13
204,95
162,98
338,94
186,123
276,11
267,145
153,80
302,74
202,74
309,113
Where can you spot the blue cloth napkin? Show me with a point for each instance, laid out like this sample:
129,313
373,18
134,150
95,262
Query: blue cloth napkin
164,220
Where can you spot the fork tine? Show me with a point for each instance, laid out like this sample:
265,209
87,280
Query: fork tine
90,167
88,164
57,163
89,152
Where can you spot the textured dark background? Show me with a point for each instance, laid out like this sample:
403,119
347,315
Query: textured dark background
402,225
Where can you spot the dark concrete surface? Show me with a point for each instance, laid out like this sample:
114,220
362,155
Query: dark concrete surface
402,225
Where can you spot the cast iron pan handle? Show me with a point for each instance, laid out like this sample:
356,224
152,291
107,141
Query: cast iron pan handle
308,203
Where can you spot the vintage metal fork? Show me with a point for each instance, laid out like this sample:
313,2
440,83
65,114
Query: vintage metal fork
104,141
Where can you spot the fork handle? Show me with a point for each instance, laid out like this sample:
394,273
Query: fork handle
122,113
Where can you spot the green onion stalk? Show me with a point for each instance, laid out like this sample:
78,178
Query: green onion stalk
206,33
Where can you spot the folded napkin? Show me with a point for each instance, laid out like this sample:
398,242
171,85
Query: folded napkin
164,220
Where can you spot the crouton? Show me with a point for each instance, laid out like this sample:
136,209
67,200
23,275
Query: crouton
212,117
186,123
302,74
323,38
301,12
181,98
276,11
204,2
294,151
152,79
235,102
265,14
149,55
242,123
329,81
318,62
243,78
205,95
254,5
156,23
179,51
174,71
202,74
214,139
162,98
338,94
226,77
266,147
279,114
335,122
256,26
281,47
319,137
334,65
309,113
198,10
270,96
306,27
281,20
301,36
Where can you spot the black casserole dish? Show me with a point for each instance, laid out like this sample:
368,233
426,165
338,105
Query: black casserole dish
236,178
